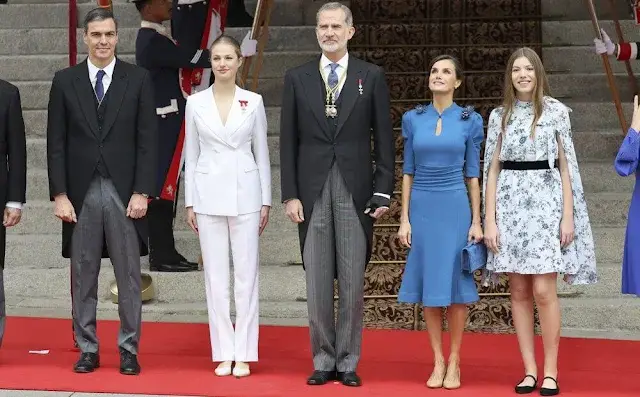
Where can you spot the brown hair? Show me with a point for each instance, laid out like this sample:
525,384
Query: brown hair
457,67
224,39
539,90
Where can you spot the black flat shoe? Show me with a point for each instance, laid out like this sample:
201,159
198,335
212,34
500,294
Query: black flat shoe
318,378
526,389
545,391
350,379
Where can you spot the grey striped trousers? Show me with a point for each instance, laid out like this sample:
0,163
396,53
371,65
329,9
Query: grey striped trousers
335,240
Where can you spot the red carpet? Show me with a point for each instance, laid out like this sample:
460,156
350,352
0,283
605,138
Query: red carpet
175,359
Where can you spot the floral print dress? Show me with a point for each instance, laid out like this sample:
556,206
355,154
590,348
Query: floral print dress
529,202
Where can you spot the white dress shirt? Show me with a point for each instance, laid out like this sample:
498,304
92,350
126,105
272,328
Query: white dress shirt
343,63
106,79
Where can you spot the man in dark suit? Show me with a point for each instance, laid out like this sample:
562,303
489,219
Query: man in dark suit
13,172
330,107
101,152
157,52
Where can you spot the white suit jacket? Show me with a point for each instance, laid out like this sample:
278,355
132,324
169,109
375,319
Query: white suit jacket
227,169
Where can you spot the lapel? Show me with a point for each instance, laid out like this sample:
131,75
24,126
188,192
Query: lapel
239,111
349,93
117,89
86,96
207,111
313,87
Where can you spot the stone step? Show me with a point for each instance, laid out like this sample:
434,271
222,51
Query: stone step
614,314
38,185
582,33
38,218
608,285
30,282
589,87
278,246
37,152
28,290
598,116
21,68
20,16
49,288
577,10
574,59
590,146
581,59
570,87
597,177
55,40
35,94
36,120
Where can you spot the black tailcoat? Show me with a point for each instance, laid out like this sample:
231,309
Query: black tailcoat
13,151
309,146
126,145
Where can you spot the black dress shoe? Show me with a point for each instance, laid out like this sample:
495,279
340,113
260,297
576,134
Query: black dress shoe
526,389
88,362
321,377
545,391
177,266
129,363
349,379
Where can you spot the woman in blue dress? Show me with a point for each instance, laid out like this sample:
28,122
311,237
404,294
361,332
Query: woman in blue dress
626,164
441,212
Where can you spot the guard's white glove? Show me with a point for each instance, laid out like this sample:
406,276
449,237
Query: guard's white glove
248,46
605,45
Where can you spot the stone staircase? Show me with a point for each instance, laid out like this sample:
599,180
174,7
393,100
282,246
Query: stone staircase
33,45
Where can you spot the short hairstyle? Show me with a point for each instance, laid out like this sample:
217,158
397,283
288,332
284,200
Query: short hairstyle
334,5
96,15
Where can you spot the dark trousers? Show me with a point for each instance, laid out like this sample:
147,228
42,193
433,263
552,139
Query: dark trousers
162,246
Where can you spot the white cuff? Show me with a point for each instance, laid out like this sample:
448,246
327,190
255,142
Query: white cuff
14,204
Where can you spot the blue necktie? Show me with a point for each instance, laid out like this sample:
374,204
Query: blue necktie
99,86
333,77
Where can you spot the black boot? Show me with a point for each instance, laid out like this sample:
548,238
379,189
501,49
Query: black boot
163,256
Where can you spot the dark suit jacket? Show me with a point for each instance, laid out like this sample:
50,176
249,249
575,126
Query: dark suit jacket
13,149
127,143
308,148
163,59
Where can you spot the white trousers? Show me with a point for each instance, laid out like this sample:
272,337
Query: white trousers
217,234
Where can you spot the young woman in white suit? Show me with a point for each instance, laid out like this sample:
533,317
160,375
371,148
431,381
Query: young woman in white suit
228,197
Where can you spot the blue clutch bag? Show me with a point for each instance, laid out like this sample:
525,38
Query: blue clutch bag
474,257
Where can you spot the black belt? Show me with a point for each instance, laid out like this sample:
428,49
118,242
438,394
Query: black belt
528,165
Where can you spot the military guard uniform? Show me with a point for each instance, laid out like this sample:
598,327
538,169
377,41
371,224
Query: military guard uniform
158,52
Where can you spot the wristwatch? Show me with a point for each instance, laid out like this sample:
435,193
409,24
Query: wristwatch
142,194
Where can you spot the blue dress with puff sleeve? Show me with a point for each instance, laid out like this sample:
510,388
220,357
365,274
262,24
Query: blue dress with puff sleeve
627,164
439,207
